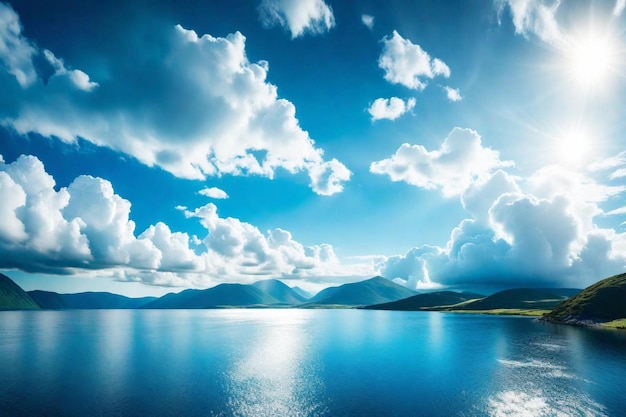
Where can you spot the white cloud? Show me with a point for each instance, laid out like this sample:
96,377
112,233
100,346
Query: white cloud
453,167
16,52
368,21
536,17
619,7
86,227
202,110
617,211
213,192
390,108
408,64
453,94
298,16
515,237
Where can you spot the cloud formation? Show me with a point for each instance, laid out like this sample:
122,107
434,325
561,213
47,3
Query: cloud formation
297,16
461,160
204,109
534,17
213,192
514,236
390,108
368,21
453,94
408,64
86,227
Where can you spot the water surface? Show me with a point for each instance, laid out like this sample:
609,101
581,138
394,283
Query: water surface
304,363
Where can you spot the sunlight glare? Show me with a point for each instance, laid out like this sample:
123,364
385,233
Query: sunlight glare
572,147
591,59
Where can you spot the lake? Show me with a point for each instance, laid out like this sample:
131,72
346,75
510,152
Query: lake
291,362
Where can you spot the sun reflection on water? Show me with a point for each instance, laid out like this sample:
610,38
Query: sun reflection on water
274,376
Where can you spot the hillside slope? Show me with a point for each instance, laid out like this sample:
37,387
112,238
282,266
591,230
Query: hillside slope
421,301
601,302
87,300
520,298
280,291
13,297
223,295
375,290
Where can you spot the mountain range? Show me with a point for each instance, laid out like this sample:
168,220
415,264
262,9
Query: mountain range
602,302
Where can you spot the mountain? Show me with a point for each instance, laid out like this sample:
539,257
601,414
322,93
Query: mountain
375,290
421,301
13,297
302,293
602,302
223,295
521,298
87,300
280,291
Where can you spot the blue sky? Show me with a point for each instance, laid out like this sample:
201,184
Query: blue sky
148,146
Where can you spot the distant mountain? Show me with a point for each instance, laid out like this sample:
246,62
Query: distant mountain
521,298
602,302
302,293
87,300
13,297
421,301
223,295
375,290
280,291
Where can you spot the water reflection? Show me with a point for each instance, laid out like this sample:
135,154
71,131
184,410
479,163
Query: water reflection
275,376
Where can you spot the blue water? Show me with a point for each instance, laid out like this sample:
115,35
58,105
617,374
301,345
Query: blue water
304,363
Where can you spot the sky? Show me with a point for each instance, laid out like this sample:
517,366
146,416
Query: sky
151,146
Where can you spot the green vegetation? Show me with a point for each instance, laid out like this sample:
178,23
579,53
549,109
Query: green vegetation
439,300
519,299
615,324
602,302
504,312
13,297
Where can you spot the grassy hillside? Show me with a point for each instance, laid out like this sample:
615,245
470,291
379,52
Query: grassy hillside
223,295
421,301
13,297
376,290
604,301
87,300
519,298
280,291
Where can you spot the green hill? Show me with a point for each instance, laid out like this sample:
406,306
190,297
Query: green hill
520,298
375,290
280,291
13,297
602,302
421,301
87,300
223,295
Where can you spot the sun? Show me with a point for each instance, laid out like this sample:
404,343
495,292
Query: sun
591,59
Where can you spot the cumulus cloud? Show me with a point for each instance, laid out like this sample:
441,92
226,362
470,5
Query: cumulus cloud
534,17
390,108
461,160
86,227
515,237
408,64
368,21
453,94
203,109
298,16
213,192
